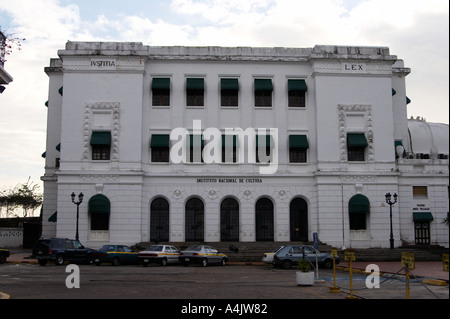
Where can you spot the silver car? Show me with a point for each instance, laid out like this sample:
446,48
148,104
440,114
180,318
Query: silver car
290,255
202,255
162,254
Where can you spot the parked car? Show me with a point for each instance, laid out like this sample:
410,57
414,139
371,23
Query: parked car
202,255
268,257
4,253
290,255
60,250
116,255
162,254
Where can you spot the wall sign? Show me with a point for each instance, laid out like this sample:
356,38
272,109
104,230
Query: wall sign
229,180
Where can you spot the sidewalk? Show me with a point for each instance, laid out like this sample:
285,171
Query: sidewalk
423,269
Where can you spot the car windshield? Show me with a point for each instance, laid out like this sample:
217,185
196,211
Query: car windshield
195,248
155,248
107,248
77,245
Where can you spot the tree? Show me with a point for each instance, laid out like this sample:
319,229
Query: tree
25,196
8,42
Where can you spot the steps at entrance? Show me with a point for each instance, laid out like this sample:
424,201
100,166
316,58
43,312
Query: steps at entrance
254,251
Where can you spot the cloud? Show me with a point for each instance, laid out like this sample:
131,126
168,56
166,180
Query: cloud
415,30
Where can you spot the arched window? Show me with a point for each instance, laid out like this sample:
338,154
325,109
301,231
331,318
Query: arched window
229,220
159,220
194,226
264,220
359,209
299,220
99,209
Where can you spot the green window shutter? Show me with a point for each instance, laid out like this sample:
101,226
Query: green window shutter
423,217
229,84
53,218
101,138
160,140
263,85
161,84
195,84
298,141
357,140
297,85
99,204
359,204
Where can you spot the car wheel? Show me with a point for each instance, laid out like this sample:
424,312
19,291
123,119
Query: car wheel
223,262
287,264
204,262
59,260
116,262
328,264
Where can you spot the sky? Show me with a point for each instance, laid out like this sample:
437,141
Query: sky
417,31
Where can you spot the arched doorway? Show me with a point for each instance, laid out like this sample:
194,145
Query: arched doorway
299,220
229,220
159,220
264,220
99,209
194,226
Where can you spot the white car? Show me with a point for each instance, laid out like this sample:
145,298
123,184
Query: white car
268,257
162,254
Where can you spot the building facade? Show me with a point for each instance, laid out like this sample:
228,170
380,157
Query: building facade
239,144
5,78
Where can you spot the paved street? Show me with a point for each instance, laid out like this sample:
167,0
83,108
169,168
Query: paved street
31,281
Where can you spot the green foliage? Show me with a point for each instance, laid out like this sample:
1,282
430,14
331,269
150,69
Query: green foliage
304,265
25,196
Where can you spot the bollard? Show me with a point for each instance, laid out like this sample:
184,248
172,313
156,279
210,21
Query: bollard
349,255
334,289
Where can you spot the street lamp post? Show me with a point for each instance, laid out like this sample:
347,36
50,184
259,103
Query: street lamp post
80,200
391,203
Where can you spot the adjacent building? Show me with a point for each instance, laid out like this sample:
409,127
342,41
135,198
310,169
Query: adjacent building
5,78
240,144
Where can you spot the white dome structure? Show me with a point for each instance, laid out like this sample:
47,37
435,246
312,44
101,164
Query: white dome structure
428,140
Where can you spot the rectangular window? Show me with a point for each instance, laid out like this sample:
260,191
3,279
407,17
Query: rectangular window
101,146
420,191
229,92
264,142
160,148
263,92
298,147
297,93
161,92
229,149
101,152
356,147
297,155
195,92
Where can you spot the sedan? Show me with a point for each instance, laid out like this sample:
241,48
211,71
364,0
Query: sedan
292,254
162,254
202,255
268,257
117,255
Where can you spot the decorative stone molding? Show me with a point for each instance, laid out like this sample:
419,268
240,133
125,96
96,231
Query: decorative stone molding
114,109
348,109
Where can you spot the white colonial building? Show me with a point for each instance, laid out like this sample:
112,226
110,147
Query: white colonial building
240,144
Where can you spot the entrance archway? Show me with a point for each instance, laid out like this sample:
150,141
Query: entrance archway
194,226
264,220
229,220
299,220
